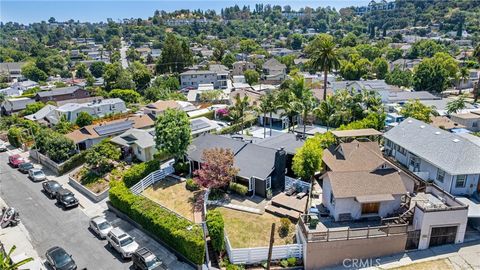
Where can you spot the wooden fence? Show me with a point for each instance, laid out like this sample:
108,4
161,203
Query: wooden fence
259,254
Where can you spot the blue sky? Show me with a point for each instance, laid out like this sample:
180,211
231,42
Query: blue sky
27,11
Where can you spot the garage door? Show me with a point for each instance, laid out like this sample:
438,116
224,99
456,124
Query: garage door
442,236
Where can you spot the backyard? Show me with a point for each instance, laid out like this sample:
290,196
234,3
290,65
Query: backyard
252,230
172,194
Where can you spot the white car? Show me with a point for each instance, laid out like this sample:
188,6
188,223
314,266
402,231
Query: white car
100,226
36,175
122,242
3,146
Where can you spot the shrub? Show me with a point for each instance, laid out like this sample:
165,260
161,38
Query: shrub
181,167
284,227
284,263
73,162
160,222
235,267
191,185
215,227
238,188
139,171
292,261
15,136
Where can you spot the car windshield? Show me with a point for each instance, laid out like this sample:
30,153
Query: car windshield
152,262
61,258
55,186
126,241
104,225
38,173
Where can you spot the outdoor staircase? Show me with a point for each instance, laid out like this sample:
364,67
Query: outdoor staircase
282,212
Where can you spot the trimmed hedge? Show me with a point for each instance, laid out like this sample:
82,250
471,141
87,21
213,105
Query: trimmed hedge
73,162
139,171
238,188
161,222
215,227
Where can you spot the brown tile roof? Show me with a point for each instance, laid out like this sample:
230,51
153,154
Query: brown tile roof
356,133
162,105
364,183
444,122
88,132
354,156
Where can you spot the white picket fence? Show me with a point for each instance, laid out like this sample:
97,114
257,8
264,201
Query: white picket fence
165,170
289,181
259,254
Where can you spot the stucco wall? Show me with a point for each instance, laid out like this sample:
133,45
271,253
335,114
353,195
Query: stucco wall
323,254
425,221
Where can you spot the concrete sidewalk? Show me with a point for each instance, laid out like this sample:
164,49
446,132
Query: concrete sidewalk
18,236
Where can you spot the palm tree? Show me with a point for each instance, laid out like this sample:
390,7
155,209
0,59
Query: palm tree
463,75
241,106
323,56
302,99
326,111
267,105
2,99
457,105
6,262
476,91
285,103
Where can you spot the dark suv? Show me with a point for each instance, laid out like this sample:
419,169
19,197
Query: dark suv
66,198
144,259
51,187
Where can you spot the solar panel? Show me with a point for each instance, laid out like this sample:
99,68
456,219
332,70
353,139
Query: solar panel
198,124
113,128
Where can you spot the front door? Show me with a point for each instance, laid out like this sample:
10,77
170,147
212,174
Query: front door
443,236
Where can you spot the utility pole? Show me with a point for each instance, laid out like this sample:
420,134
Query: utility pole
270,246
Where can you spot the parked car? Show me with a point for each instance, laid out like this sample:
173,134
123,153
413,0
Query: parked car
24,167
51,187
66,198
36,175
3,146
144,259
122,242
59,259
100,226
15,160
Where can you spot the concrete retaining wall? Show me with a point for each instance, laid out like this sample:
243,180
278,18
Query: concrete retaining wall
85,191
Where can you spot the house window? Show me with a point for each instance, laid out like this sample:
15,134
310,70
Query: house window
332,199
461,179
401,150
370,208
440,175
139,151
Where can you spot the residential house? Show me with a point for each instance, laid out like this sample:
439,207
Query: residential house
17,88
158,107
402,97
88,136
383,89
240,67
14,105
260,168
281,52
474,75
274,71
447,159
45,115
443,122
12,70
137,142
202,125
404,64
441,105
215,75
64,93
470,121
95,108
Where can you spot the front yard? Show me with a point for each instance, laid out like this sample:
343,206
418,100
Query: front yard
246,230
98,183
173,195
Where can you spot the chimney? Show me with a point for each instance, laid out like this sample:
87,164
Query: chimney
278,179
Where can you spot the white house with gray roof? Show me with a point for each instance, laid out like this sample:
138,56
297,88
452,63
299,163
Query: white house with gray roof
96,108
138,142
452,162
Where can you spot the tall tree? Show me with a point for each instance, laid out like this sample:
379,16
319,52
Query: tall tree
463,76
456,105
417,110
241,107
173,132
303,100
175,56
216,170
268,104
323,56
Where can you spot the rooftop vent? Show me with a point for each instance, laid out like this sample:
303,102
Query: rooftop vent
409,121
456,140
437,133
422,126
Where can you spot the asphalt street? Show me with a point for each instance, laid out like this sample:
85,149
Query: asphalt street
49,225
